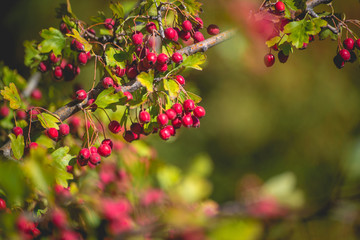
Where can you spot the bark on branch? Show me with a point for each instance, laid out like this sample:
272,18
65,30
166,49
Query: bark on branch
310,5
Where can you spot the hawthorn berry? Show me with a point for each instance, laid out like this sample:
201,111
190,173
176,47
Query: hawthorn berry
137,38
345,54
279,7
21,115
84,154
187,120
43,66
17,131
128,96
151,27
177,58
144,117
36,94
187,26
199,112
213,29
180,79
109,23
120,72
151,59
189,105
198,37
107,82
114,126
196,122
170,33
129,136
357,44
282,57
162,119
184,35
82,58
177,122
58,72
338,61
52,133
171,129
81,95
269,59
349,44
353,57
162,59
136,128
4,111
131,72
161,67
95,158
53,58
2,204
311,38
171,114
178,108
33,145
200,23
108,142
165,133
58,218
63,28
77,46
64,129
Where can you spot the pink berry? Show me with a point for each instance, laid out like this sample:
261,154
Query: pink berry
349,44
53,58
137,38
58,72
186,26
109,23
164,133
43,66
171,114
107,82
269,60
144,117
21,115
177,57
170,33
114,126
17,131
128,96
345,55
189,105
199,112
58,218
280,7
2,204
178,108
198,37
36,94
52,133
95,158
162,59
200,23
213,29
162,119
151,27
187,121
81,95
180,79
64,129
104,150
82,58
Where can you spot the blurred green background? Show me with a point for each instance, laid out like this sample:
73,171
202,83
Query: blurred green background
302,116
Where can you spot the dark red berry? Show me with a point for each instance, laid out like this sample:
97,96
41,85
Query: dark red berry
52,133
17,131
198,37
282,57
109,23
280,7
186,26
349,44
58,72
64,129
357,44
162,59
120,72
151,27
144,117
199,112
345,54
63,28
107,82
180,79
129,136
162,119
114,126
269,59
104,150
196,122
82,58
36,94
164,134
177,57
171,114
185,35
213,29
137,38
2,204
170,33
338,61
353,57
131,72
136,128
311,38
178,108
77,46
189,105
187,121
81,95
161,67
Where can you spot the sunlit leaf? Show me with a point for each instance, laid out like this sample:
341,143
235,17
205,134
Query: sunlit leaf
53,41
146,80
77,36
17,145
11,94
48,121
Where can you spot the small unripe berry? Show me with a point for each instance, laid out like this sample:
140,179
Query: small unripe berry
164,134
17,131
213,29
114,126
170,33
177,57
109,23
151,27
198,37
199,112
349,44
144,117
52,133
171,114
280,7
189,105
82,58
137,38
180,79
345,55
36,94
162,59
64,129
107,82
81,95
186,26
269,60
162,119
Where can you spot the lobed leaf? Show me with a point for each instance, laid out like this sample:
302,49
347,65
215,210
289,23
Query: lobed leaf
53,41
11,94
146,80
48,120
17,145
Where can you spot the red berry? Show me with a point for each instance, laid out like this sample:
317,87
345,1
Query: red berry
144,117
82,58
170,33
108,142
129,136
33,145
187,121
43,66
137,38
282,57
349,44
151,27
164,133
171,114
184,35
189,105
2,204
177,57
178,108
200,23
17,131
132,72
104,150
4,111
357,44
120,72
151,59
162,59
95,158
161,67
136,128
162,119
280,7
58,72
177,122
338,61
269,59
81,95
171,130
21,115
64,129
107,82
52,133
53,58
36,94
199,112
198,37
77,46
180,79
213,29
114,126
58,218
63,28
109,23
196,122
186,26
311,38
345,55
128,96
84,154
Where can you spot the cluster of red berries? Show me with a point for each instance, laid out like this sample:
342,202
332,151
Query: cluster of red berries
27,228
347,54
92,156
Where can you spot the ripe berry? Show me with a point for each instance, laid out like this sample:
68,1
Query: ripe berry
129,136
53,58
136,128
170,33
338,61
305,45
180,79
4,111
93,149
345,54
108,142
36,94
171,114
213,29
84,153
137,38
162,59
349,44
280,7
120,72
186,26
311,38
187,121
198,37
58,72
178,108
81,95
357,44
171,130
282,57
64,129
189,105
199,112
21,115
33,145
52,133
150,27
82,58
184,35
144,117
200,23
177,122
104,150
114,126
128,96
2,204
151,59
107,82
196,122
164,134
162,119
58,218
17,131
109,23
43,66
161,67
131,72
177,58
269,59
77,46
63,28
95,158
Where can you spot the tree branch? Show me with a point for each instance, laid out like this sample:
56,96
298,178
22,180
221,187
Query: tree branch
75,106
310,5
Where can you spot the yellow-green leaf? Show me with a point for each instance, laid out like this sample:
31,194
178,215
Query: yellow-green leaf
17,145
11,94
48,120
53,41
147,80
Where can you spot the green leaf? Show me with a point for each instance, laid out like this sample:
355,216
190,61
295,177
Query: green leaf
146,80
53,41
108,97
77,36
325,33
61,159
194,97
11,76
31,54
172,88
194,61
11,94
115,57
192,6
286,48
17,145
277,40
48,120
117,9
298,32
